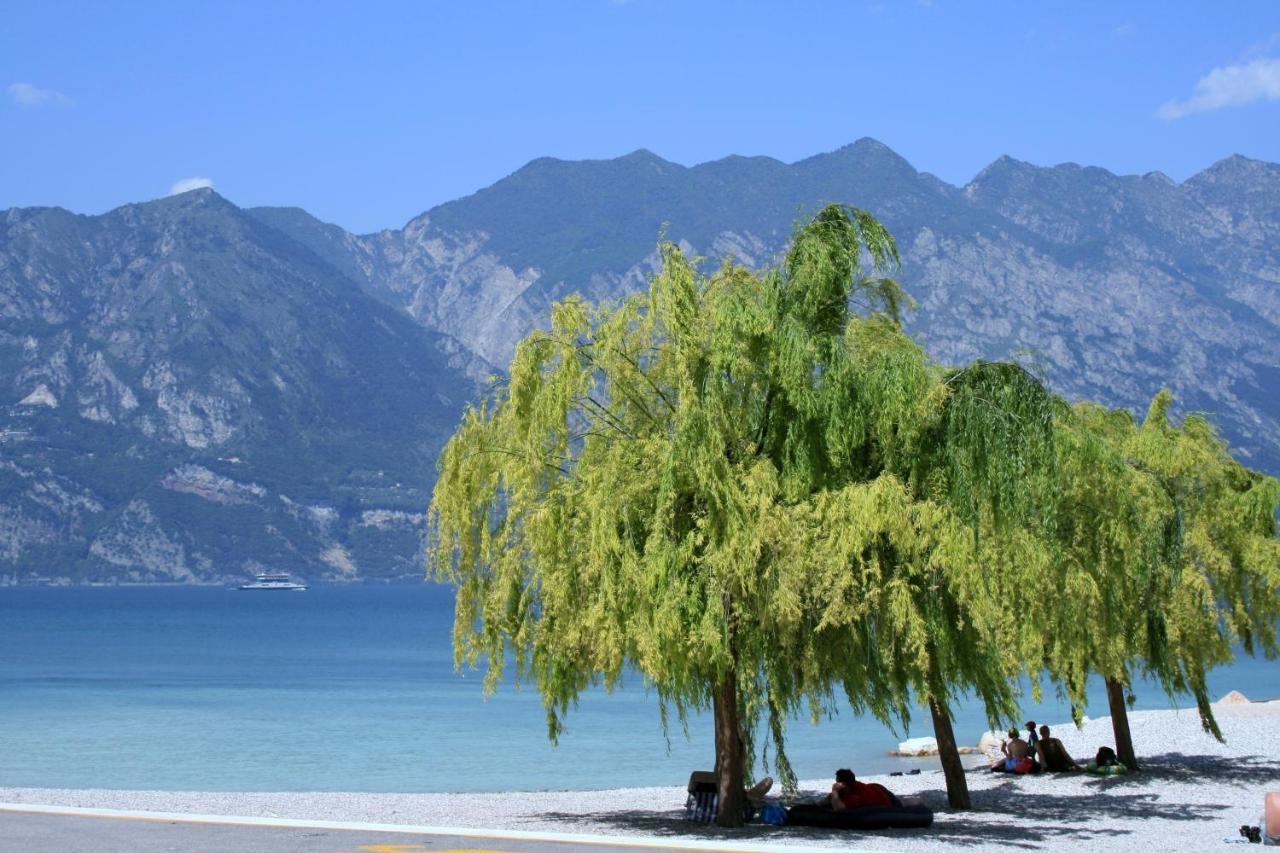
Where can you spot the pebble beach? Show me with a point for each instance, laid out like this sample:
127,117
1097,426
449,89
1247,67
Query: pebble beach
1193,794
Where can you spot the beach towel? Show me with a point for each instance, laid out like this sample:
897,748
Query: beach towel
704,798
703,805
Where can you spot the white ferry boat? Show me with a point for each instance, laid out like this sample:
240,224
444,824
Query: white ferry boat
274,580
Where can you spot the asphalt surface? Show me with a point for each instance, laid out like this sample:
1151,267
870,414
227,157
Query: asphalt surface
34,832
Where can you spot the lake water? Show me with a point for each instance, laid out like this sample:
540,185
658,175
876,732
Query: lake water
350,689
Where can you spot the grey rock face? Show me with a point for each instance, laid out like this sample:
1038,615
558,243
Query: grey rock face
1114,286
190,391
196,376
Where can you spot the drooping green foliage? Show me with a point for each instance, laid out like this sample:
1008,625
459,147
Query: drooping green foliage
1226,578
758,487
1166,554
742,480
1113,553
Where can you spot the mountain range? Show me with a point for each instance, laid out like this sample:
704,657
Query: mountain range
192,391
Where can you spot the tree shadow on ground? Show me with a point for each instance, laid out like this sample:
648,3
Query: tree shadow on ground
661,824
1033,818
1218,769
1010,814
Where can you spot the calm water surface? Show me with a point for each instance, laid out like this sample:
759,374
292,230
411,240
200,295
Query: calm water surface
349,689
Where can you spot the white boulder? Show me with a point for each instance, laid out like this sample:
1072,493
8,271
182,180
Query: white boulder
918,746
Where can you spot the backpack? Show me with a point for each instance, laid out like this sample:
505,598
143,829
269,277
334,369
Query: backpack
774,814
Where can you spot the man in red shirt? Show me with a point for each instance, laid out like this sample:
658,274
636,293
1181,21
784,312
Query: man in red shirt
849,793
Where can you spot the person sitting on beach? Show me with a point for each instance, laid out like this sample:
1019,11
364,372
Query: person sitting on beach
1053,755
849,793
1106,757
1015,750
1106,763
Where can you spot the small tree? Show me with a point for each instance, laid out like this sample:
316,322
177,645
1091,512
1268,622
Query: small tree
746,492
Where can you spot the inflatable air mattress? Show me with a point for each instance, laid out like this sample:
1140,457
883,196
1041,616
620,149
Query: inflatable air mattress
874,817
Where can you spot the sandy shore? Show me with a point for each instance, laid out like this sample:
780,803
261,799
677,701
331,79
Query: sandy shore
1192,794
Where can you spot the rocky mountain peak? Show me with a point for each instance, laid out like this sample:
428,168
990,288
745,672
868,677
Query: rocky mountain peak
644,156
260,385
1000,174
866,155
201,199
868,147
1238,172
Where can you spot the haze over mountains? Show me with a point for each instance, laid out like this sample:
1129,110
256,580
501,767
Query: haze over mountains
192,391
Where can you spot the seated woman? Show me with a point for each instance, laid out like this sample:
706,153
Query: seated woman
1053,755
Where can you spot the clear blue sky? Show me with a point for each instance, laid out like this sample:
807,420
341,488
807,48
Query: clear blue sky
366,114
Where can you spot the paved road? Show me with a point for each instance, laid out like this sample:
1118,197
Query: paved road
34,832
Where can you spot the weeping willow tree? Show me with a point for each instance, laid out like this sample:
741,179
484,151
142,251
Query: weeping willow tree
1166,558
1117,546
1224,590
754,490
977,464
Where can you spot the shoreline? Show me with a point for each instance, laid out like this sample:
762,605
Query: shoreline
1192,793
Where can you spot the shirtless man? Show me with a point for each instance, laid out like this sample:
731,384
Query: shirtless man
1013,749
1053,755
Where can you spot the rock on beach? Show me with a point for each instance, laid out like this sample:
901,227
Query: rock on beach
923,747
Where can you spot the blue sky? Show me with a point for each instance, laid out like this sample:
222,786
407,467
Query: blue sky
367,114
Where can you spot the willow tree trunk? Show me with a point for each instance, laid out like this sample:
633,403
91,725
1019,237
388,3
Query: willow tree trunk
730,749
730,752
1120,724
949,755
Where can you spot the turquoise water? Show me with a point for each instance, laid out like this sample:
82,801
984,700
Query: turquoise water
348,689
